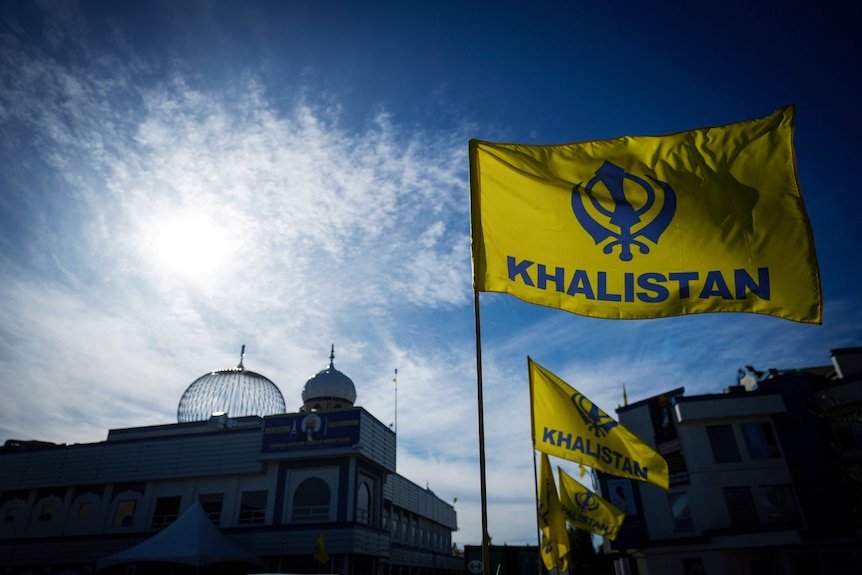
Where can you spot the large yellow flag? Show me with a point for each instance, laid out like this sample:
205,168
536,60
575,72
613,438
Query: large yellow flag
586,510
555,539
640,227
568,425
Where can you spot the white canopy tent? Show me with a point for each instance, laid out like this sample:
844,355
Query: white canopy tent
191,540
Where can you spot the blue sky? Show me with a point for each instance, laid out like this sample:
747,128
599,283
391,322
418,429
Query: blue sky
181,179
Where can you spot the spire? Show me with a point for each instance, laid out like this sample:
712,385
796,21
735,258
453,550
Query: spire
331,356
241,356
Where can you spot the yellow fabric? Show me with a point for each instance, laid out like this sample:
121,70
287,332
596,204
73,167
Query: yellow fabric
320,554
640,227
568,425
586,510
555,539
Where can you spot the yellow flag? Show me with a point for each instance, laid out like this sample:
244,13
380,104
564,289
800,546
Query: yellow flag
568,425
320,554
586,510
555,539
640,227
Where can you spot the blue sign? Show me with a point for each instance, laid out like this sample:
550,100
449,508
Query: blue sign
314,430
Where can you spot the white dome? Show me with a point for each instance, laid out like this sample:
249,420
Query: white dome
329,384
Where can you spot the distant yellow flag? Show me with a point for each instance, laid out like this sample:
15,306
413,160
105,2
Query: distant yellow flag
320,554
586,510
568,425
555,539
640,227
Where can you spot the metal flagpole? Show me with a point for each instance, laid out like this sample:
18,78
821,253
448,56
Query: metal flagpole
486,540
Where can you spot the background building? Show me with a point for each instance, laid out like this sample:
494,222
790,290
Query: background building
766,478
313,491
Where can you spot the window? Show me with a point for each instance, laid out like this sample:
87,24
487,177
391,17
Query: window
85,510
760,440
723,443
779,504
167,511
363,503
11,514
212,505
740,506
125,515
47,512
680,511
311,500
253,508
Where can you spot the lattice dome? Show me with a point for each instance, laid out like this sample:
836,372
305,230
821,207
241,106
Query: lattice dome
236,392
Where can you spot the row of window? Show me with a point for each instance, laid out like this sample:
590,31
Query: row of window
746,507
311,503
760,442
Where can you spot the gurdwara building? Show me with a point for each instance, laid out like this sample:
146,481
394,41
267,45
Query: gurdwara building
237,485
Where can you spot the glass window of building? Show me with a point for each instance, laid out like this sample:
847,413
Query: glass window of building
779,504
723,443
125,513
760,440
363,503
740,506
311,500
253,508
85,509
47,512
680,511
166,512
11,514
212,505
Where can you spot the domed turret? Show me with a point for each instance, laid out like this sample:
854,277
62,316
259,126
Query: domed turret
328,389
236,392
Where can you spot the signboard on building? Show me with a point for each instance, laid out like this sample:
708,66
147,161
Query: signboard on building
314,430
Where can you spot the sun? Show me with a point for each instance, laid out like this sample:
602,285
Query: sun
190,245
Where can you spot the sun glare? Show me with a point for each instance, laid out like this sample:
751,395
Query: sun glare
191,245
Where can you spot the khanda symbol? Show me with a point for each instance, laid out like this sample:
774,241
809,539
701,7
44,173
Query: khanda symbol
586,501
623,216
596,420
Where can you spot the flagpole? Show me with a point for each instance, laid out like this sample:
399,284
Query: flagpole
486,540
535,471
536,491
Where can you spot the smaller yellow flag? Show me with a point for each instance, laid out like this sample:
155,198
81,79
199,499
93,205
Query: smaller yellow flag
320,554
555,538
568,425
586,510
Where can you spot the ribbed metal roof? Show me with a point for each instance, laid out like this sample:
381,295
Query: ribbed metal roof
237,392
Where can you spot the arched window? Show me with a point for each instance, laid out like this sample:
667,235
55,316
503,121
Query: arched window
363,503
311,500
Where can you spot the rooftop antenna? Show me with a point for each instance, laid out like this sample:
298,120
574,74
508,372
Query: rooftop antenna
241,355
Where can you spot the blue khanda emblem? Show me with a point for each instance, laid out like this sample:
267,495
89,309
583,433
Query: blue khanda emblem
596,420
625,220
586,501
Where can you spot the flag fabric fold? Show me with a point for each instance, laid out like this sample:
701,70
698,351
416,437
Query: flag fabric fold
555,538
705,220
586,510
567,425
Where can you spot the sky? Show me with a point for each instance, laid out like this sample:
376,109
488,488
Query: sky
180,179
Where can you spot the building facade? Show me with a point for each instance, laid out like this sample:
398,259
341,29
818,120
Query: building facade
764,478
306,492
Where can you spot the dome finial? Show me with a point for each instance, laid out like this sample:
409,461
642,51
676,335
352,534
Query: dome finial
331,356
241,356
